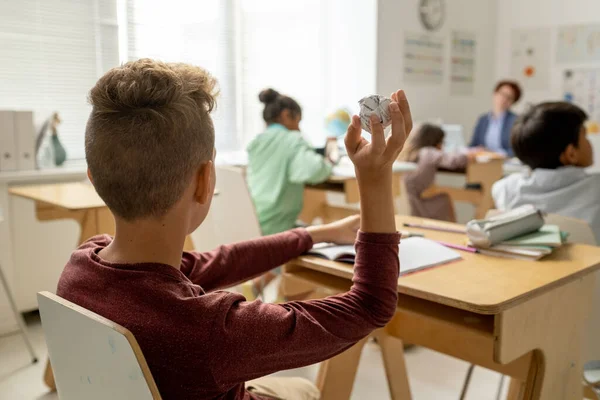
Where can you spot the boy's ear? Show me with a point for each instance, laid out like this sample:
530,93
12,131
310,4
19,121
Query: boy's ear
570,156
203,186
89,175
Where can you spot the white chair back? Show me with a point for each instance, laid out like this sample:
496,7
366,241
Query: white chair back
579,230
92,357
232,217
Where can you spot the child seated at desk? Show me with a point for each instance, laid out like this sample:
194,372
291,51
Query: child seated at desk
150,153
551,140
424,147
280,163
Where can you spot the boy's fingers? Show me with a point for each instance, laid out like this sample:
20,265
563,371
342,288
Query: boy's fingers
396,140
377,135
405,110
353,135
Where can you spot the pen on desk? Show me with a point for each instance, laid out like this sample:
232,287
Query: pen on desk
435,228
458,247
406,234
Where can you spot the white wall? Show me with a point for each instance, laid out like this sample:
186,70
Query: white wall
519,14
434,101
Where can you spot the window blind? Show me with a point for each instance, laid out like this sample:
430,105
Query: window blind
53,51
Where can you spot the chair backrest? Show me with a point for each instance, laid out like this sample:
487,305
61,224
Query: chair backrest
232,217
579,230
91,356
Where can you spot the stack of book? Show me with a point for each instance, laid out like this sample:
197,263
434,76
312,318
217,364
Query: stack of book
532,246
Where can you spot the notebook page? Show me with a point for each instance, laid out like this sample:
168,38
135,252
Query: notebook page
418,253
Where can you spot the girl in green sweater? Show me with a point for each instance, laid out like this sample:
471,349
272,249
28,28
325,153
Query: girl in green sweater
280,163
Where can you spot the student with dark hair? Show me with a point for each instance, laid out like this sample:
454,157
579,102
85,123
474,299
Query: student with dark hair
280,163
492,130
424,147
551,140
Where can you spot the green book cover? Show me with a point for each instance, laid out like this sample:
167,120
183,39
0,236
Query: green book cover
548,235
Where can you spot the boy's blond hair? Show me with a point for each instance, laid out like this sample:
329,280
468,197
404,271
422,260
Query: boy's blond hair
148,132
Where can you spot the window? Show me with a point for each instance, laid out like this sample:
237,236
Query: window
52,52
55,50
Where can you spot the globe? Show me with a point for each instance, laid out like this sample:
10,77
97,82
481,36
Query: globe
337,122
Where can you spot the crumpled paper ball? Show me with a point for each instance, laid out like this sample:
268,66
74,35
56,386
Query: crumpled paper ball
374,104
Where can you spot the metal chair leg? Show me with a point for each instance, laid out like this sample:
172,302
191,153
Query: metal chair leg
19,318
465,387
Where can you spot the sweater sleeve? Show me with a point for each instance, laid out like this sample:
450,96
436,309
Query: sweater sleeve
231,264
306,165
260,338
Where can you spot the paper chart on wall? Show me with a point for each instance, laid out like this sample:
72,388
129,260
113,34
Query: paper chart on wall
462,69
578,43
423,58
530,57
582,87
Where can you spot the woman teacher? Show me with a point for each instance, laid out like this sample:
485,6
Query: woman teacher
493,128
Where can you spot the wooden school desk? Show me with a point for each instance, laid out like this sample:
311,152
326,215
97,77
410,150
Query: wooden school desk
78,201
485,171
523,319
342,180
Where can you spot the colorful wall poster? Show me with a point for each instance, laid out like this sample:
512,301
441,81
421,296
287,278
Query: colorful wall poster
582,87
423,58
578,43
530,57
462,58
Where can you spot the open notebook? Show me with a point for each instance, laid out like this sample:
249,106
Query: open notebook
415,254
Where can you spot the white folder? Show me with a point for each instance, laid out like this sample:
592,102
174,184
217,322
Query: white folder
25,134
8,143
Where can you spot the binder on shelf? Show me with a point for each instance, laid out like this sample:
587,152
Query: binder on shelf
25,134
8,142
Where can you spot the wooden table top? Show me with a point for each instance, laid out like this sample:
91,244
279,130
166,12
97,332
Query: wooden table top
478,283
71,196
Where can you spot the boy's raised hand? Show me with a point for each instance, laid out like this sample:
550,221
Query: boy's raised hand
373,164
371,160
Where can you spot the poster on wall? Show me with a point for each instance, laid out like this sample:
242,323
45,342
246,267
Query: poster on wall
530,57
462,68
423,58
582,87
578,43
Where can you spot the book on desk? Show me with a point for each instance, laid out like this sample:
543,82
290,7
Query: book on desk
415,253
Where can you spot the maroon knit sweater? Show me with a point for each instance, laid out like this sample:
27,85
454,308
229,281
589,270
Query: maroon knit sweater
202,343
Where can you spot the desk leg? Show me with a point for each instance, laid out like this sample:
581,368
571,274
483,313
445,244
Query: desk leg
315,202
392,352
551,326
336,375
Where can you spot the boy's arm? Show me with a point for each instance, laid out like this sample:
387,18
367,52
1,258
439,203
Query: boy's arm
253,339
231,264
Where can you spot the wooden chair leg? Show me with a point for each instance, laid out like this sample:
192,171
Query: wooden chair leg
49,377
392,352
336,375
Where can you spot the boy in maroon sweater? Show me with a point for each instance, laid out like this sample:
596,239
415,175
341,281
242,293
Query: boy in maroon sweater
150,153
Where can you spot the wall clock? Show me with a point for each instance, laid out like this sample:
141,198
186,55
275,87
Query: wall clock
432,14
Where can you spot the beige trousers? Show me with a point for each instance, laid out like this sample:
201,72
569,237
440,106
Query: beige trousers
282,388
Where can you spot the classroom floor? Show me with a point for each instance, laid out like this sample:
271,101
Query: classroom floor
432,375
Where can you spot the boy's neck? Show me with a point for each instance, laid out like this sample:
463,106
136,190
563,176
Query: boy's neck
147,241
